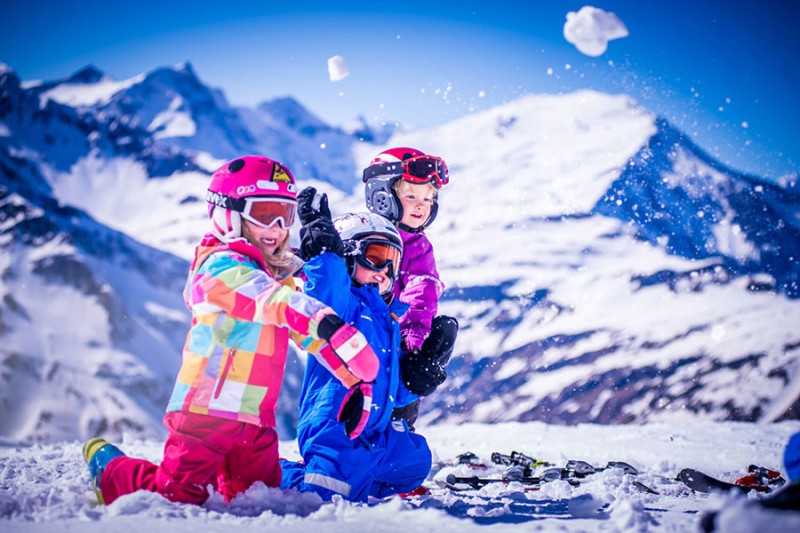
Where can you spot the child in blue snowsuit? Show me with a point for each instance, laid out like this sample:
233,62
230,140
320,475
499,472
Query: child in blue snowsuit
351,265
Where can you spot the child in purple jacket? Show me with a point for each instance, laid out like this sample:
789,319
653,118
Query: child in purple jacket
402,184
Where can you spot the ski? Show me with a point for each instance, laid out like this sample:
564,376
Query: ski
471,460
459,483
759,479
466,459
518,473
518,459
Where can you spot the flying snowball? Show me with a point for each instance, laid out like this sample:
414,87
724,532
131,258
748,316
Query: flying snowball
591,28
337,68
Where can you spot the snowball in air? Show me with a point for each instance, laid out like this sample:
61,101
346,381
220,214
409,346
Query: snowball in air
591,28
337,68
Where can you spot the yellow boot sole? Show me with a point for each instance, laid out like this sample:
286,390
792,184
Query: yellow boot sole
89,449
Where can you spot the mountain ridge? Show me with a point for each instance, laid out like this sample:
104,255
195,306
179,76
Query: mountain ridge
581,298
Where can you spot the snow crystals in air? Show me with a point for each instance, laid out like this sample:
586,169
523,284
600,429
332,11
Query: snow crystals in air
337,68
591,28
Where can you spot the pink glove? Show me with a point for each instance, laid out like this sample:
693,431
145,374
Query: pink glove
355,409
347,354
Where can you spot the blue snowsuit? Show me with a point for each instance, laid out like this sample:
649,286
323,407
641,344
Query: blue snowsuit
386,458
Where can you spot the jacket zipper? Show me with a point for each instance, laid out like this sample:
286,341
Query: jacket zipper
224,376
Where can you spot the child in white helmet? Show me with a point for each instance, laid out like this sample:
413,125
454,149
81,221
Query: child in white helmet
351,264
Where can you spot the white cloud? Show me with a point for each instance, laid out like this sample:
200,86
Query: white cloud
337,68
591,28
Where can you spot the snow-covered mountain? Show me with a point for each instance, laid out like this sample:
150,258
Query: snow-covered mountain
87,162
91,320
603,268
675,195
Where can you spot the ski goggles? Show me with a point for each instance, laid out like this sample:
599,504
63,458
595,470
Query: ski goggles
377,254
266,212
420,169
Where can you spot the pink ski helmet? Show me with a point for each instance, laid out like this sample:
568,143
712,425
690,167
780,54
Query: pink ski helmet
242,178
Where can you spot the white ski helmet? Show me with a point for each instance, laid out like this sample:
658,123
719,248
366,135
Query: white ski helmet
358,232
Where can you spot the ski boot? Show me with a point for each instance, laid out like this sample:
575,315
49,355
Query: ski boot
761,479
98,453
419,491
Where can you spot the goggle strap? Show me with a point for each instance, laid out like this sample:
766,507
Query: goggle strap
382,170
234,204
225,201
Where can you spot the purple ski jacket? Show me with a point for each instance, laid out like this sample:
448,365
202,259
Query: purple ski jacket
419,286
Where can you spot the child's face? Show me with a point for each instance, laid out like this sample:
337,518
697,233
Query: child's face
267,240
417,200
365,276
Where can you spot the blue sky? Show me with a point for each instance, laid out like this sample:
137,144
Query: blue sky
727,72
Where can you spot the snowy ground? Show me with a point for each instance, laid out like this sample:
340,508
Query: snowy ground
46,487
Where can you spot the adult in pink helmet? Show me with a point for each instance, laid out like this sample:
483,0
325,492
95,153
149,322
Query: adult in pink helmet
245,308
403,184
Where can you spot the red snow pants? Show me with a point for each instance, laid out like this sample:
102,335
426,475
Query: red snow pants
200,451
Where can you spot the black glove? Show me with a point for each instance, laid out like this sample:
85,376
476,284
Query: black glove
312,206
442,339
409,413
317,235
421,374
423,370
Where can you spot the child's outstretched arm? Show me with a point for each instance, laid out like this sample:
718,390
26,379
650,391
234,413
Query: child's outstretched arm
227,283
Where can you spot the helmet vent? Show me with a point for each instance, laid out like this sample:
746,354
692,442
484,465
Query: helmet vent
236,165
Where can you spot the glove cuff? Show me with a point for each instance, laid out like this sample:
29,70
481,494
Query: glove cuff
328,326
414,342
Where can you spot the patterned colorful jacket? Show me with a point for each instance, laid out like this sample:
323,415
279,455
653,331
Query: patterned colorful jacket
419,286
242,320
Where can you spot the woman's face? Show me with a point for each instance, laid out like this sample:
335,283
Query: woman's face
417,200
267,240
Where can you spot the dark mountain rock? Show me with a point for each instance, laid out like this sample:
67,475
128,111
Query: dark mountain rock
676,196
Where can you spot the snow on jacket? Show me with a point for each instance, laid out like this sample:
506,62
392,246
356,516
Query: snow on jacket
242,320
419,286
362,306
